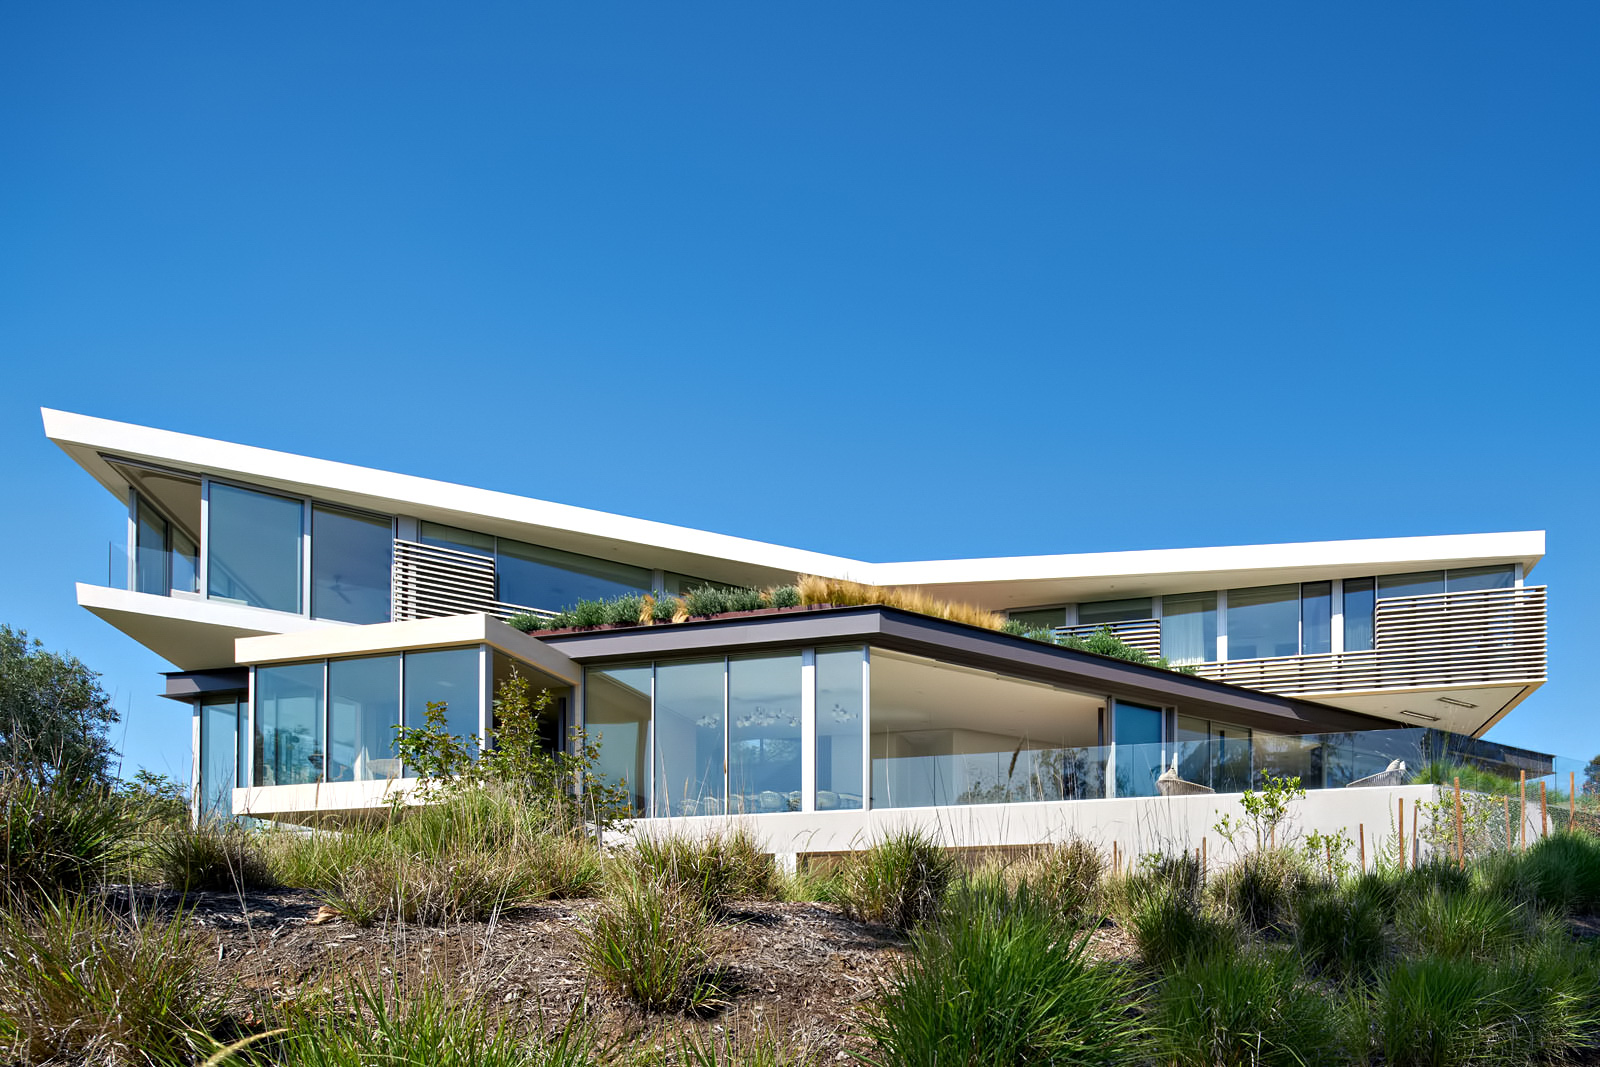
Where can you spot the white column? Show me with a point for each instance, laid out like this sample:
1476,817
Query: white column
1336,634
194,767
1222,624
808,729
866,728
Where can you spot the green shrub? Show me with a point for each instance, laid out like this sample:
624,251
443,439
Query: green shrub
1339,931
60,837
650,941
1247,1010
528,622
1065,877
665,608
1439,1012
999,980
589,613
79,984
211,856
625,609
714,869
1169,927
1561,871
745,600
426,1027
900,881
1472,925
706,600
1259,889
786,596
1390,888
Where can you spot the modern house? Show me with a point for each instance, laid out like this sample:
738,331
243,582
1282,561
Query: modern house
311,606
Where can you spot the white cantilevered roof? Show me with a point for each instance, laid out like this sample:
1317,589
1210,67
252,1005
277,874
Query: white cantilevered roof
999,582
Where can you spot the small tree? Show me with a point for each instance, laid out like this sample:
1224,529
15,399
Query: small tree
1264,811
54,717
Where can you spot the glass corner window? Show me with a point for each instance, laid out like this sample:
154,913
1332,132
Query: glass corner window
253,555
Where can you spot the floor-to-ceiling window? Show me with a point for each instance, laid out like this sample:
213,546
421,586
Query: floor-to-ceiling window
1263,621
450,677
363,711
166,510
617,717
550,579
350,565
1359,602
288,724
221,750
1189,627
1316,617
840,706
253,555
1137,735
690,734
764,732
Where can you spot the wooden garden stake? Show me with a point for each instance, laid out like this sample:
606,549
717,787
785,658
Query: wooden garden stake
1361,845
1203,858
1116,866
1522,808
1400,802
1461,840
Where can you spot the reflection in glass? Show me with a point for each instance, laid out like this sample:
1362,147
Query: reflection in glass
616,715
288,724
150,567
1358,607
839,709
441,536
1189,628
185,561
1103,611
1425,583
219,741
1041,618
448,676
1137,733
1316,617
350,565
764,733
1467,578
253,556
1263,621
689,738
536,577
363,710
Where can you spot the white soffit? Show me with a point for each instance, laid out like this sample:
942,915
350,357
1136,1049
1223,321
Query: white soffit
1005,581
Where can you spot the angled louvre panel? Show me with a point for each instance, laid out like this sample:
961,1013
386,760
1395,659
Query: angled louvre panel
430,582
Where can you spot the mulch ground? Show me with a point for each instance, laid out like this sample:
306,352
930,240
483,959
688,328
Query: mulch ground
799,972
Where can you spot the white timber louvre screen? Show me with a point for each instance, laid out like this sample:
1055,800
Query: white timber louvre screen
429,582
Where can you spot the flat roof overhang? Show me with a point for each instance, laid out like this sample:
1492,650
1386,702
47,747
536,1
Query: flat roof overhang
969,646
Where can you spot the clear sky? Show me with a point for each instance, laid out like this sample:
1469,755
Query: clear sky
890,281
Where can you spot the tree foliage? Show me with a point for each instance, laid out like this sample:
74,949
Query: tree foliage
54,717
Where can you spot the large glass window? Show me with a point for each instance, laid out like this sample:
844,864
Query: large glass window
1041,618
442,536
839,710
253,555
1107,611
1358,607
350,565
616,715
150,570
764,733
449,677
1425,583
219,745
1263,621
288,724
363,710
1316,617
536,577
1460,581
167,528
1189,627
1139,754
690,721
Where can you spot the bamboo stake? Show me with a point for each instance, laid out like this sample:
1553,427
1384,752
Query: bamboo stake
1461,840
1522,808
1401,803
1544,812
1116,866
1361,844
1203,859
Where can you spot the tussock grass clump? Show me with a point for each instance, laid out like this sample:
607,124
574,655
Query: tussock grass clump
900,881
1245,1009
651,940
1065,877
999,980
58,838
762,1049
1339,931
79,984
428,1027
843,593
1260,888
715,869
1561,871
1390,889
1470,926
210,856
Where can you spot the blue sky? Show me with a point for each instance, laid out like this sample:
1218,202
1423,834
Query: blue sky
891,281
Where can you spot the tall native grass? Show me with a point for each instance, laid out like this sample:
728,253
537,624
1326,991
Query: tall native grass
998,979
652,941
1246,1009
899,881
58,837
715,869
81,984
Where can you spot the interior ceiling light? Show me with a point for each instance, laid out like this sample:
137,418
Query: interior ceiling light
1453,702
1419,715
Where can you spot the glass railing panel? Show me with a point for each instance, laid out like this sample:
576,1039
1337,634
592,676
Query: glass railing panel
1010,776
